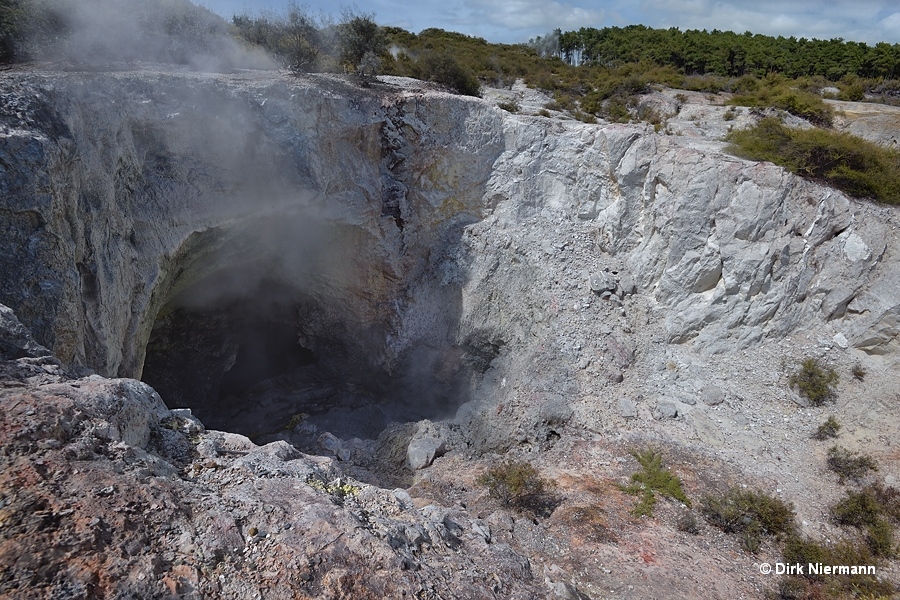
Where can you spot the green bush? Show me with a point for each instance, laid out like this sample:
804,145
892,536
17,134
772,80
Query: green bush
776,93
857,509
443,68
849,163
515,483
828,429
888,500
815,382
361,41
880,538
650,480
803,551
750,514
850,465
872,509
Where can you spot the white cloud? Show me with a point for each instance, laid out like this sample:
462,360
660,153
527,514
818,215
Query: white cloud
533,14
891,22
856,20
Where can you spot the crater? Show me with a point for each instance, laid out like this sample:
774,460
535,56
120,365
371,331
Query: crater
298,335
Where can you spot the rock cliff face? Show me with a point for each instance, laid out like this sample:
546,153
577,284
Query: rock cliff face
314,263
122,190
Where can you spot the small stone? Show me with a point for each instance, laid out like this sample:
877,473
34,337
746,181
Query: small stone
841,340
627,408
712,395
602,282
798,399
616,377
666,410
403,498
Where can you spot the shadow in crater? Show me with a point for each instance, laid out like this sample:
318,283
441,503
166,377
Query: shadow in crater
237,361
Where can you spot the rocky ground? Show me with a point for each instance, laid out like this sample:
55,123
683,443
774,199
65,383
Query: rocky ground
610,324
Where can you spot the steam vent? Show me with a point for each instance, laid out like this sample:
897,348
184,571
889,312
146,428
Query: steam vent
263,335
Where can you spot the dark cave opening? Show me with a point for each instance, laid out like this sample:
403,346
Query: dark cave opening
266,350
236,359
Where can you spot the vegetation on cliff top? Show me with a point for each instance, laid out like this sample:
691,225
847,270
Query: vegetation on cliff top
857,167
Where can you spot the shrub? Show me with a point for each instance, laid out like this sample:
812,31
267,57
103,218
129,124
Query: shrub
802,551
517,484
888,500
857,509
880,538
443,68
828,429
652,479
794,588
729,114
303,42
851,164
750,514
850,465
776,93
815,382
361,42
871,509
511,106
687,523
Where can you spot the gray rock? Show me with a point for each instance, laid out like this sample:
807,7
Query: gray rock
627,408
706,430
333,444
422,452
712,395
666,409
626,284
15,340
554,409
602,282
799,400
482,529
280,450
403,498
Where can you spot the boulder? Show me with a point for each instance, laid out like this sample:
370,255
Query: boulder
421,452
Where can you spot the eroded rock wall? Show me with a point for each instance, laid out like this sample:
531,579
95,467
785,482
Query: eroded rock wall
122,190
409,219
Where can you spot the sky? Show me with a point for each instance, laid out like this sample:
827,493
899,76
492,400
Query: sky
513,21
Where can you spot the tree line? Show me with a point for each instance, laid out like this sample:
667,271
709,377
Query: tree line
723,53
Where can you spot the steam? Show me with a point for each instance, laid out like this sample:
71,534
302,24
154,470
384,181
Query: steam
96,33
